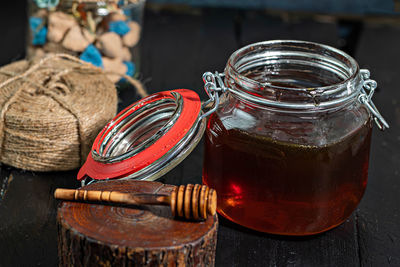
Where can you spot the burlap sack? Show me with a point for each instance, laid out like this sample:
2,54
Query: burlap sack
51,111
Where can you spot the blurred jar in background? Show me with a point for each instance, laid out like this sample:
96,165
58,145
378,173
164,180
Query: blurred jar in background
104,33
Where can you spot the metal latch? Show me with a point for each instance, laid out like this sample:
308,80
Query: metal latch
367,91
213,85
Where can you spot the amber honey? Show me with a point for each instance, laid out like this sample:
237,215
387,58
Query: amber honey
282,187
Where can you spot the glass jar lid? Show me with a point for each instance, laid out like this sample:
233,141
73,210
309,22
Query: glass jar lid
148,138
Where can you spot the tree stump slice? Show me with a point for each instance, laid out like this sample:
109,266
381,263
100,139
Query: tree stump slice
96,234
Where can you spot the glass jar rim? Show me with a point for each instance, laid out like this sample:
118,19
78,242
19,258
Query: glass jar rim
312,50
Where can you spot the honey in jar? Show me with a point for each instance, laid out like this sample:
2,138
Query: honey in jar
288,147
285,188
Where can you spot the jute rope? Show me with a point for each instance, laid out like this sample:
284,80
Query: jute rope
51,111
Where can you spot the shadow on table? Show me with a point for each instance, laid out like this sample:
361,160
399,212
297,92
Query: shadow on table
227,223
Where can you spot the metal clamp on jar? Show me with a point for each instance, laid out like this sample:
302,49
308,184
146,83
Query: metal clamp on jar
287,140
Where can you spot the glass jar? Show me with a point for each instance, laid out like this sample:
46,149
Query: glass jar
105,33
288,147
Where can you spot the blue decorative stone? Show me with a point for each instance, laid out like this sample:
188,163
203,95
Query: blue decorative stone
38,34
130,68
92,55
34,23
40,37
46,3
127,12
119,27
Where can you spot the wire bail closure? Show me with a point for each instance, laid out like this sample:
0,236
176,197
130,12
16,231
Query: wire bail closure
213,84
367,91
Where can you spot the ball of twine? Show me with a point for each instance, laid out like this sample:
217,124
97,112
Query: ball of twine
51,111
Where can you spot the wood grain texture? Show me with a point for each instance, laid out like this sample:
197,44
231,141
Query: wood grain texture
135,236
28,215
341,7
337,247
176,50
247,248
257,27
13,32
183,198
175,55
5,180
379,211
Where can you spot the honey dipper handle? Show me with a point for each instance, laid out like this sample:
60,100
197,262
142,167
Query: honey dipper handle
90,195
111,196
186,201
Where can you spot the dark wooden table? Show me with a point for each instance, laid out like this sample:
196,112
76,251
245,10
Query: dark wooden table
176,49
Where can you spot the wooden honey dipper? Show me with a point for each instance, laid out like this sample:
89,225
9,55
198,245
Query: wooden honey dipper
186,201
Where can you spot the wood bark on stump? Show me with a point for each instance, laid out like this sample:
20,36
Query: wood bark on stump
97,234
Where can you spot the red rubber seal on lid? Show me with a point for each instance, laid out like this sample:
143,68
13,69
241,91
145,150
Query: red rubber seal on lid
189,116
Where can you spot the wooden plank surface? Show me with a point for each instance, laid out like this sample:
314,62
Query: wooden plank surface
354,7
379,211
176,50
28,213
257,27
13,21
238,246
338,247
